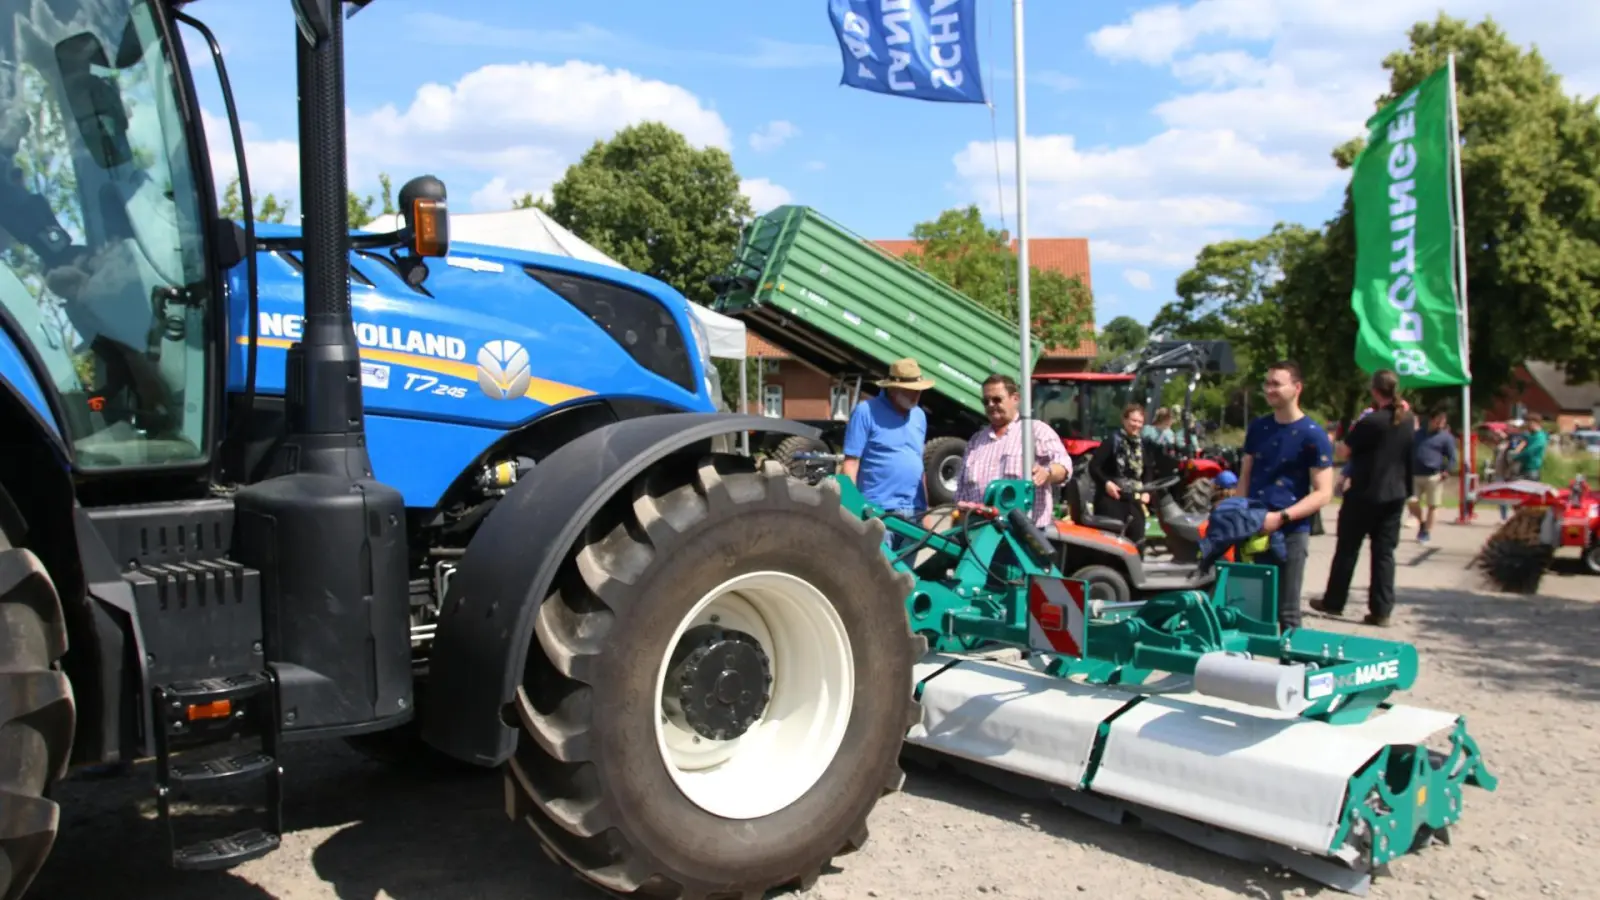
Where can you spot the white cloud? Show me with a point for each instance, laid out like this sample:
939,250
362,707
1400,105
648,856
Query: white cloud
764,195
1265,89
1138,278
516,127
498,194
274,165
1154,203
772,135
1056,81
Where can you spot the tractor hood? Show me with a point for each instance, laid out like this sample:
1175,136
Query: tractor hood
491,337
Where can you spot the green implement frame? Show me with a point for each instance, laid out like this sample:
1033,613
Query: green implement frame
990,580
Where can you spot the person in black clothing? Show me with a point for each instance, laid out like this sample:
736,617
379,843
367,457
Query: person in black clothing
1123,456
1382,464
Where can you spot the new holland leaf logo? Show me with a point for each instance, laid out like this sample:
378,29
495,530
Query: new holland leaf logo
503,371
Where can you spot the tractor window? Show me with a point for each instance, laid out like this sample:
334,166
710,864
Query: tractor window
1057,406
102,265
1106,400
639,323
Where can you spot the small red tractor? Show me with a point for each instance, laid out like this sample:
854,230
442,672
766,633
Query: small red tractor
1085,408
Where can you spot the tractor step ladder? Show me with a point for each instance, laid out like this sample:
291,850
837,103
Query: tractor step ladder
207,714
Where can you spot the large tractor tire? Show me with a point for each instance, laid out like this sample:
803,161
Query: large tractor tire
941,462
719,689
37,715
1199,496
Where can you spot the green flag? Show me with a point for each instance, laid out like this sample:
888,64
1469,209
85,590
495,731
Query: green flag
1405,290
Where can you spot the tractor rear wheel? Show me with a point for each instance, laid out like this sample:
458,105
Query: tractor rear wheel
1591,558
37,715
1198,497
719,689
941,463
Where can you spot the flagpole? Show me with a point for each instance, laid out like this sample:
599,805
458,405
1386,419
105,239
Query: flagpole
1468,459
1024,309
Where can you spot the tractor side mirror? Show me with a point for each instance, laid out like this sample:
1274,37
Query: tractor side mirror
93,99
426,213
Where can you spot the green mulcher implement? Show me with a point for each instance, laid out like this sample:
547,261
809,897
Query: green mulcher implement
1189,711
849,308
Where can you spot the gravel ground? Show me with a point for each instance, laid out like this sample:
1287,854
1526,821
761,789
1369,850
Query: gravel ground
1526,672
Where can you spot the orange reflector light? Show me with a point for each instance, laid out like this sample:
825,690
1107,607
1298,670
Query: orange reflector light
431,231
217,709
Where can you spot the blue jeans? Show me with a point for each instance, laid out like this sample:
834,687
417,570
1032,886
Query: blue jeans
895,542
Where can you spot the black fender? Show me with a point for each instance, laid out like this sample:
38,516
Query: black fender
486,619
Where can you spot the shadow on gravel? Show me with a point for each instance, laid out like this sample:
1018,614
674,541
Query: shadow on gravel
1182,861
417,835
105,848
1515,643
401,835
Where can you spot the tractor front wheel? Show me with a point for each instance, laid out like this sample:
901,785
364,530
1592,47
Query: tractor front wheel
37,715
719,688
1591,558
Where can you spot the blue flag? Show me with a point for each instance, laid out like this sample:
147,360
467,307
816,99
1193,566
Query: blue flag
925,49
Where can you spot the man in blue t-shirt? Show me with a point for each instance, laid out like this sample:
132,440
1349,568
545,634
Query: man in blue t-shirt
883,445
1288,467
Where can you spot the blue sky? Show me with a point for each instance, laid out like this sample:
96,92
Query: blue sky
1153,129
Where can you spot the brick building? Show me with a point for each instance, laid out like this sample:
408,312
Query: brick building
1540,387
784,386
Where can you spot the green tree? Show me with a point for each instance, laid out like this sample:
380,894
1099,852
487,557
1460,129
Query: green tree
960,250
657,205
267,209
271,209
1530,164
1123,334
1241,291
1531,177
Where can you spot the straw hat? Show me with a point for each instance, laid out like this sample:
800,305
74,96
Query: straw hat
905,373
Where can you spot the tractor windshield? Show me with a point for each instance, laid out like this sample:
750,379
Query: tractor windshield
102,266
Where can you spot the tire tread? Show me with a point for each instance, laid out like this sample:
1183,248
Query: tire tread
37,716
551,783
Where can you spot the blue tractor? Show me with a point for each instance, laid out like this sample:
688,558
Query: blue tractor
262,485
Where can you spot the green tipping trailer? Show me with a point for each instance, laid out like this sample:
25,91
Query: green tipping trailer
846,306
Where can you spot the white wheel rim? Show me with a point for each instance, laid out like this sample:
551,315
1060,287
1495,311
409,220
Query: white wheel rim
783,754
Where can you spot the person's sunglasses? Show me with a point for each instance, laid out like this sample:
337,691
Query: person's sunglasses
993,401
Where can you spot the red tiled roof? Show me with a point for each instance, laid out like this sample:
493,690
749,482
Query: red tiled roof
757,347
1069,256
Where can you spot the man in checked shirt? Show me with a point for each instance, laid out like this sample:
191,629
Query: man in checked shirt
996,452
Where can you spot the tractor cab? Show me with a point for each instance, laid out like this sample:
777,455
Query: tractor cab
1082,407
115,265
105,276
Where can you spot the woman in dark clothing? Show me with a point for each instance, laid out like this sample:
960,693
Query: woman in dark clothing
1122,457
1381,462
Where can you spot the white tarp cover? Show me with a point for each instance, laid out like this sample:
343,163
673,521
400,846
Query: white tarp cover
531,229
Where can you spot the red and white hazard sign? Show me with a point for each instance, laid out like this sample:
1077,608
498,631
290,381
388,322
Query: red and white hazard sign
1056,618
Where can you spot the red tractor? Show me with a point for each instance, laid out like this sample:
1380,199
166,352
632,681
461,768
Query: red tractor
1086,407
